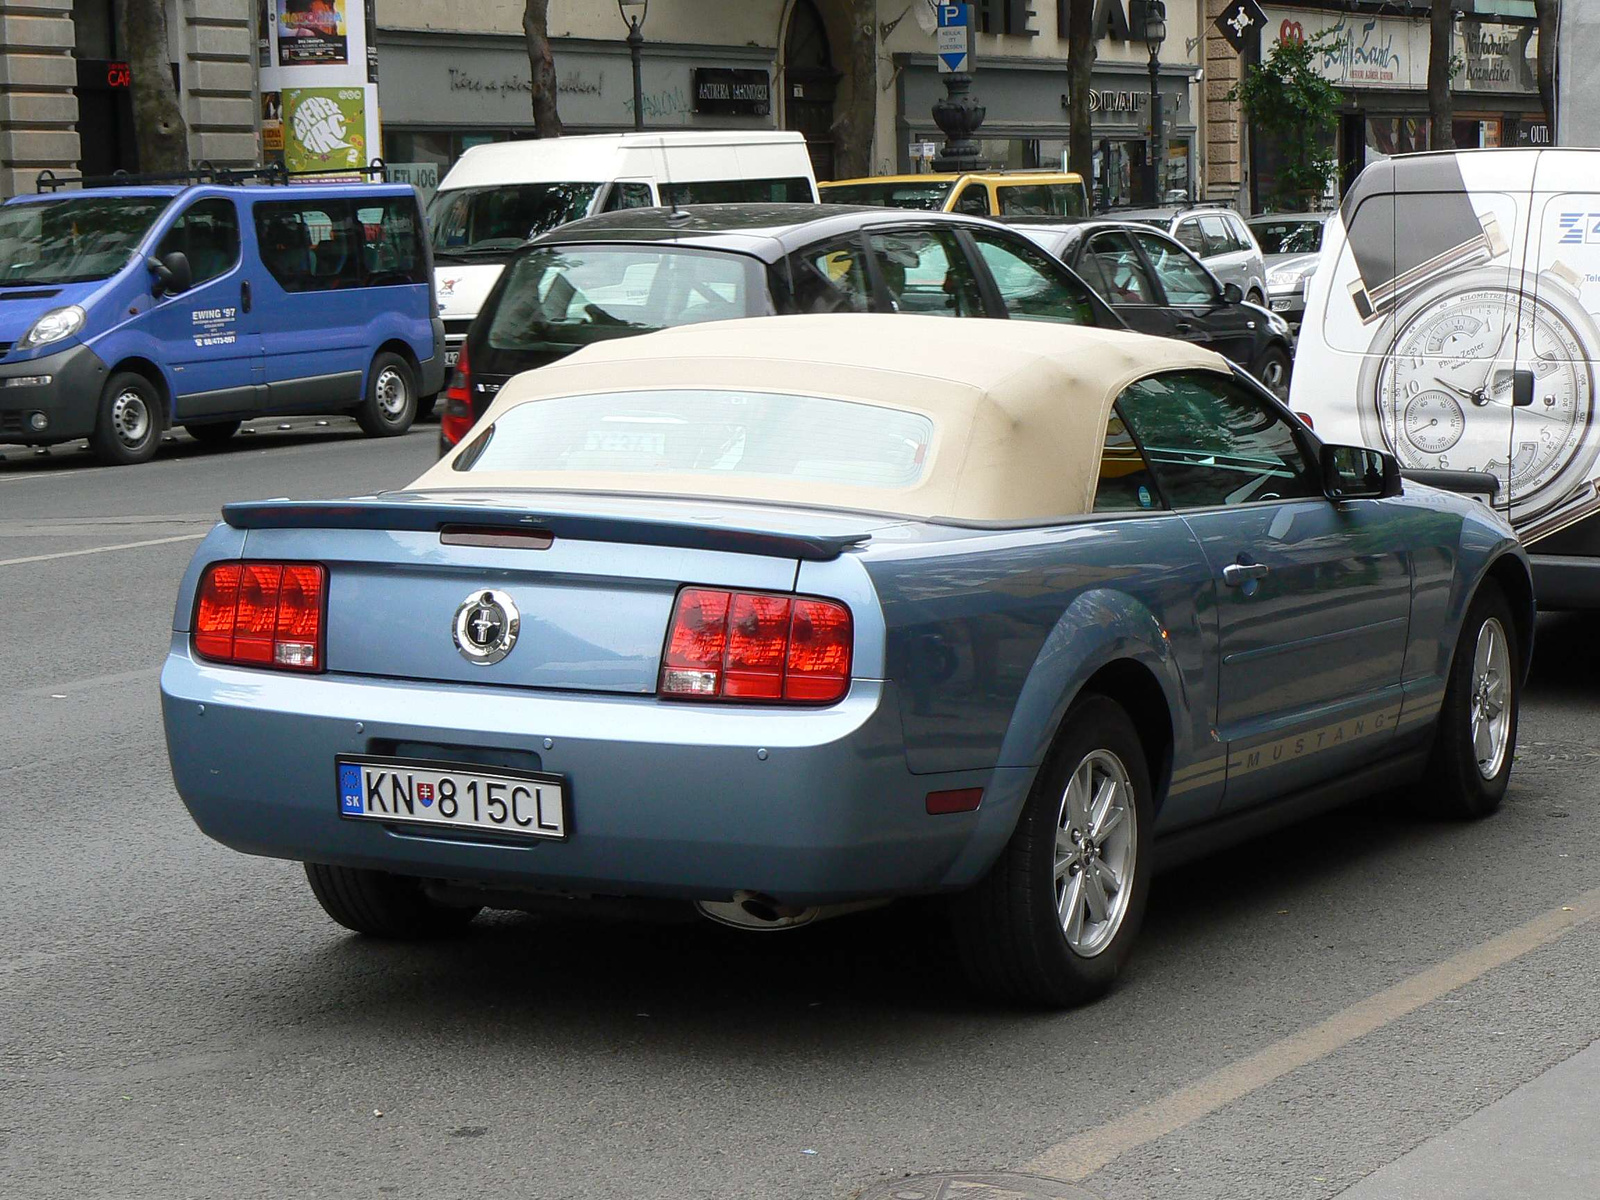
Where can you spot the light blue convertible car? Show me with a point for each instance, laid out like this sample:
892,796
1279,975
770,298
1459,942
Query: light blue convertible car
787,616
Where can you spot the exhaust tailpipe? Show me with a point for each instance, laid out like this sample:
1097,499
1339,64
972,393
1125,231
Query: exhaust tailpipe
759,911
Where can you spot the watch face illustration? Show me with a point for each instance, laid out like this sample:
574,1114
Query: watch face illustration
1436,388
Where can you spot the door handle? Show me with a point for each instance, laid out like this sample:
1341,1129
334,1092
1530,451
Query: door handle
244,295
1183,327
1239,574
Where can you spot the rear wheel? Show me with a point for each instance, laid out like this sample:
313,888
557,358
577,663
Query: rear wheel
391,403
383,905
1255,297
128,427
1476,739
216,433
1054,920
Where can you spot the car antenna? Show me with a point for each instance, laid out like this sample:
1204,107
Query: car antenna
678,215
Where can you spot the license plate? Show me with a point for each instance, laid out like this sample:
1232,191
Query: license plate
442,795
451,357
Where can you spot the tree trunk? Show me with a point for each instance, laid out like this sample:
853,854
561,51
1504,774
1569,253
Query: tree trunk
536,28
855,123
159,131
1080,81
1440,111
1549,18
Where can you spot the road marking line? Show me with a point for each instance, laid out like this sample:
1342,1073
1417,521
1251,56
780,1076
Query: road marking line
1083,1154
33,558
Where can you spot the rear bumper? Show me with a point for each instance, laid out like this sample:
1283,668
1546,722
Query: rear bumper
664,799
69,402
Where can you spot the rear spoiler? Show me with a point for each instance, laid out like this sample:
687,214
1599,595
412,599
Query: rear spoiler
435,517
1467,483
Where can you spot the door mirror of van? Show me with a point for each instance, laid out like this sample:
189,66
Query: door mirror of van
1521,389
1359,473
172,273
1232,294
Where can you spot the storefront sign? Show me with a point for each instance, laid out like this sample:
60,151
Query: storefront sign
424,176
1496,58
1241,23
1357,51
732,90
100,75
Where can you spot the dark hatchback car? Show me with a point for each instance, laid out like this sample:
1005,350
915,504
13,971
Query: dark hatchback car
627,273
1156,286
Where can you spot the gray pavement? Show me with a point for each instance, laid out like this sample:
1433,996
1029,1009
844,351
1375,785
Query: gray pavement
180,1020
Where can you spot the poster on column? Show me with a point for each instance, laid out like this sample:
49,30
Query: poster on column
325,129
312,31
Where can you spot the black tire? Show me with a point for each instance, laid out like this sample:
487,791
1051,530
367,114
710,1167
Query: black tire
127,429
215,433
426,405
1456,786
1255,297
1273,369
391,403
1009,935
382,905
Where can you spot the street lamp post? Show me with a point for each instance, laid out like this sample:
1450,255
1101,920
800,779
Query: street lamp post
1155,32
633,12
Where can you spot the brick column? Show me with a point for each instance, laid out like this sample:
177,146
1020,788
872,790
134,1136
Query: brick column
219,81
38,110
1224,121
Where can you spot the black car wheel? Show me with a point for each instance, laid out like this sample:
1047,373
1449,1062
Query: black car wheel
1055,918
1273,369
382,905
128,428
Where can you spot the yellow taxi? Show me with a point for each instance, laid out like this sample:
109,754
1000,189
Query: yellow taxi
978,193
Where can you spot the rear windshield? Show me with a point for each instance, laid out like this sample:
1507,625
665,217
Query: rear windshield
764,435
930,197
490,222
557,298
1288,237
75,239
1042,200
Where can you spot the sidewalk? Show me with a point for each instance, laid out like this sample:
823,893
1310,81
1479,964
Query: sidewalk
1542,1140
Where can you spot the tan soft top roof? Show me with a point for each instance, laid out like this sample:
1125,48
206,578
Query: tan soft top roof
1019,407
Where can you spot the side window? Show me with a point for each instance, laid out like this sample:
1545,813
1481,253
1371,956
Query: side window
1184,279
1033,287
1118,263
1212,442
926,272
1188,235
792,190
832,278
208,236
1241,235
974,201
628,195
309,246
391,243
1125,481
1215,237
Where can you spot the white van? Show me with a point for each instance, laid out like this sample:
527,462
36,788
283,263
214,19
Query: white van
499,195
1452,321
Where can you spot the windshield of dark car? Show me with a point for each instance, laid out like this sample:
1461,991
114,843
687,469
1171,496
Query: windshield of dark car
557,298
490,222
1288,237
75,239
929,197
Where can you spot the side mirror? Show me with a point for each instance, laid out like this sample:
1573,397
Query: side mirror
1521,389
172,273
1232,293
1359,473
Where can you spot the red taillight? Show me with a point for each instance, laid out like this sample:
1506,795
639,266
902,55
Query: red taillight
457,416
1306,417
261,614
756,646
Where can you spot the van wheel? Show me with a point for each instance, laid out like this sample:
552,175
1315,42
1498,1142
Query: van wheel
214,434
1056,916
391,403
128,427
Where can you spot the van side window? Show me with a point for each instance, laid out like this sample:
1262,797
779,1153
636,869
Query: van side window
208,236
628,195
795,190
309,246
391,243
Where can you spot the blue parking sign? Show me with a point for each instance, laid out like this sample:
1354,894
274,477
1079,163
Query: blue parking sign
954,25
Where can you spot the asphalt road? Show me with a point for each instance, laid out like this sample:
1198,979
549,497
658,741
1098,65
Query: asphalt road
179,1020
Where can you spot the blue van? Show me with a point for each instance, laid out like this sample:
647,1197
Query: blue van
127,310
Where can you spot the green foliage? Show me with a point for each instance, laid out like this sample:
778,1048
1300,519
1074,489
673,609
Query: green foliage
1285,99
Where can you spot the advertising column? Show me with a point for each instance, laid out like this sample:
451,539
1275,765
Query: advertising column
319,84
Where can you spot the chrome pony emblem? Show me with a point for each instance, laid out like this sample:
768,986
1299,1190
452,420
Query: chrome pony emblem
486,627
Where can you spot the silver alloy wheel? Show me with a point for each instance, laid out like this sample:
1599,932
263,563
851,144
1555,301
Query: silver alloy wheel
130,418
390,389
1094,852
1488,704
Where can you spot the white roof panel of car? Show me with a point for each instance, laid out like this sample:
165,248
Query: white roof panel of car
1019,407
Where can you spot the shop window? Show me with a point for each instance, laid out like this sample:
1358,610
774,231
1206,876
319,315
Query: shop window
208,236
